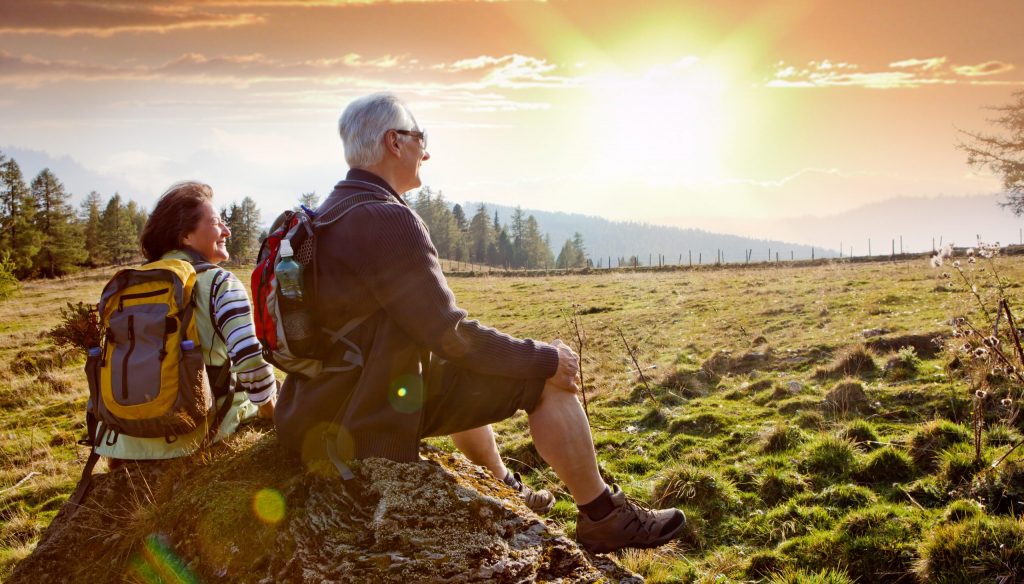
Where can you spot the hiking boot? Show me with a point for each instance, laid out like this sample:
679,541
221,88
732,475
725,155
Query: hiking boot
540,501
629,525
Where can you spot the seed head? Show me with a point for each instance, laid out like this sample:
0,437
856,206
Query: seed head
971,260
991,341
966,348
981,352
946,275
981,394
970,251
956,263
1007,402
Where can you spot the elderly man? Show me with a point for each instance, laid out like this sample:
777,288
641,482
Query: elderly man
428,370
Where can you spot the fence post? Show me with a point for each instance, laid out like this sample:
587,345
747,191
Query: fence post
690,253
869,247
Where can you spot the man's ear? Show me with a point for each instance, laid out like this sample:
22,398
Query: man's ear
391,143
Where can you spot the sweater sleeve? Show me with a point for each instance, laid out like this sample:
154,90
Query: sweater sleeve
232,316
400,267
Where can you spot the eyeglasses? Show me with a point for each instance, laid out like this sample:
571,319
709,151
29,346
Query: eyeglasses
419,135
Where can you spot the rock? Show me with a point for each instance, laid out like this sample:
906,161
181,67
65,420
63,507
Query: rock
794,387
249,512
874,332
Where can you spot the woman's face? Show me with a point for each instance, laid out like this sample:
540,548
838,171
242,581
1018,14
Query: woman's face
209,238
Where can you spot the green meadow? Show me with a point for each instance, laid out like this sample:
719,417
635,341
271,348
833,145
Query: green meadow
803,416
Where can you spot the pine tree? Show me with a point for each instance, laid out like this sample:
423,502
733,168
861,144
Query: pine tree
18,234
119,236
62,242
309,200
91,229
517,231
243,245
481,235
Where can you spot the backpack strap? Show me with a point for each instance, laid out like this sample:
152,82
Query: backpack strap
223,371
94,435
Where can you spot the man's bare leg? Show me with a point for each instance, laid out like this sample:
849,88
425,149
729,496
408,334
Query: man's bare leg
480,448
562,436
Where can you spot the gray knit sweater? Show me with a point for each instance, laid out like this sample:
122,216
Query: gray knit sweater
379,260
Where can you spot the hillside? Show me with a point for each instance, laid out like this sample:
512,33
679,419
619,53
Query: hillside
604,238
805,418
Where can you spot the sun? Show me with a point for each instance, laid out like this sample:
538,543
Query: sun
666,125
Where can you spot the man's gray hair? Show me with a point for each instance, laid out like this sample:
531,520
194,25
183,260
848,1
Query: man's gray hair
364,122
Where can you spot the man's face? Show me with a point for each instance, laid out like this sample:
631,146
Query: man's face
413,154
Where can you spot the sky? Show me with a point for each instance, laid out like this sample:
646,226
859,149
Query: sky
732,115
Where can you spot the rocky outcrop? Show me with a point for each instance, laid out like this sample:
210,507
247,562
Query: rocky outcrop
250,512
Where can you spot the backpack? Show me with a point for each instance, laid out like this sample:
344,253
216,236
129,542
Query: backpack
287,328
148,378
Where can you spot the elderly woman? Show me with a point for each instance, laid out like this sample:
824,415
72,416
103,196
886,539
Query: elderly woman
184,225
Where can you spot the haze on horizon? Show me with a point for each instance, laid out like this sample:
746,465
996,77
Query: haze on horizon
732,116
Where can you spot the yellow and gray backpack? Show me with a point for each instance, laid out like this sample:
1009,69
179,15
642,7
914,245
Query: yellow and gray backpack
147,378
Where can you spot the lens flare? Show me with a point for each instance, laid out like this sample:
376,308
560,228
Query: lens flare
268,505
406,394
157,563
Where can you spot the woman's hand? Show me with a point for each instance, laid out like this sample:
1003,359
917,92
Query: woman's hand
266,409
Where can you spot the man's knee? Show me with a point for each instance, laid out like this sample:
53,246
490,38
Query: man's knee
552,395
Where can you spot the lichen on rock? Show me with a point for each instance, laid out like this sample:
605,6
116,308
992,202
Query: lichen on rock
250,512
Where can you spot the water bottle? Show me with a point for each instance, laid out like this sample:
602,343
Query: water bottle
299,325
289,273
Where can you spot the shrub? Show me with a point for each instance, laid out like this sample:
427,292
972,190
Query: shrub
828,457
903,365
826,576
979,549
852,361
79,327
840,498
874,543
960,510
703,489
705,424
786,521
861,433
957,464
781,437
1001,489
932,438
777,485
846,397
887,465
810,420
1001,435
765,563
8,281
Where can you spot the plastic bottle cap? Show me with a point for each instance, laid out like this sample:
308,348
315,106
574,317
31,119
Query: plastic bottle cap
188,345
286,248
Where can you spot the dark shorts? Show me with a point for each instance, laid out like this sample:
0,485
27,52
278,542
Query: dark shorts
458,399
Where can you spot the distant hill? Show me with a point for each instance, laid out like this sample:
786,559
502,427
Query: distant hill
604,238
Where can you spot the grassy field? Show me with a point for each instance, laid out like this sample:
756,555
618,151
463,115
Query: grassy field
780,408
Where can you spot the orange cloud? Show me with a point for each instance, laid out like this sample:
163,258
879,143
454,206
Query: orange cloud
983,69
900,74
87,17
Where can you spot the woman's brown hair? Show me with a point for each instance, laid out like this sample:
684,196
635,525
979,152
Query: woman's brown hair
176,214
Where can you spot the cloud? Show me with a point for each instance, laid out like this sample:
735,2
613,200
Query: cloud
906,73
983,69
88,17
105,18
920,64
240,70
509,71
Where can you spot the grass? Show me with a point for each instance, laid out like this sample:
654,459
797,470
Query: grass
780,481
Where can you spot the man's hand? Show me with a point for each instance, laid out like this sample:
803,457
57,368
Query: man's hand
568,367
